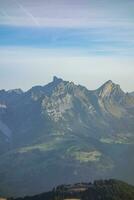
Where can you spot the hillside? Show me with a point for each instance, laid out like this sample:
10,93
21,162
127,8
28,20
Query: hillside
99,190
65,128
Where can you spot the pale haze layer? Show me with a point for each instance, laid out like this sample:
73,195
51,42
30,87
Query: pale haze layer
85,41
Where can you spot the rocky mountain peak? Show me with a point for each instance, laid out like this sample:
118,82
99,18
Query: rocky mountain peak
108,83
109,88
16,91
56,79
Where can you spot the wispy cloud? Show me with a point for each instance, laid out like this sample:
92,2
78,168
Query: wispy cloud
115,41
26,12
57,13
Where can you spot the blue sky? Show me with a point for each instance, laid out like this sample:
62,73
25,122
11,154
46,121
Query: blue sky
85,41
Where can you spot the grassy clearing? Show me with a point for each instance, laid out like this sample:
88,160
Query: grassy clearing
120,138
92,156
42,147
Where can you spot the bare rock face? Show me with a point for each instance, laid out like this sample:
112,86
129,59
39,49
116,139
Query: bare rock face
109,91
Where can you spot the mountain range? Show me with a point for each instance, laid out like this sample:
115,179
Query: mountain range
64,133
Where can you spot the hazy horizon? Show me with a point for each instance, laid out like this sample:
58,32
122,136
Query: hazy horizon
85,41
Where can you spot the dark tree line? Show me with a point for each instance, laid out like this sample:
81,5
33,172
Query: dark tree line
99,190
